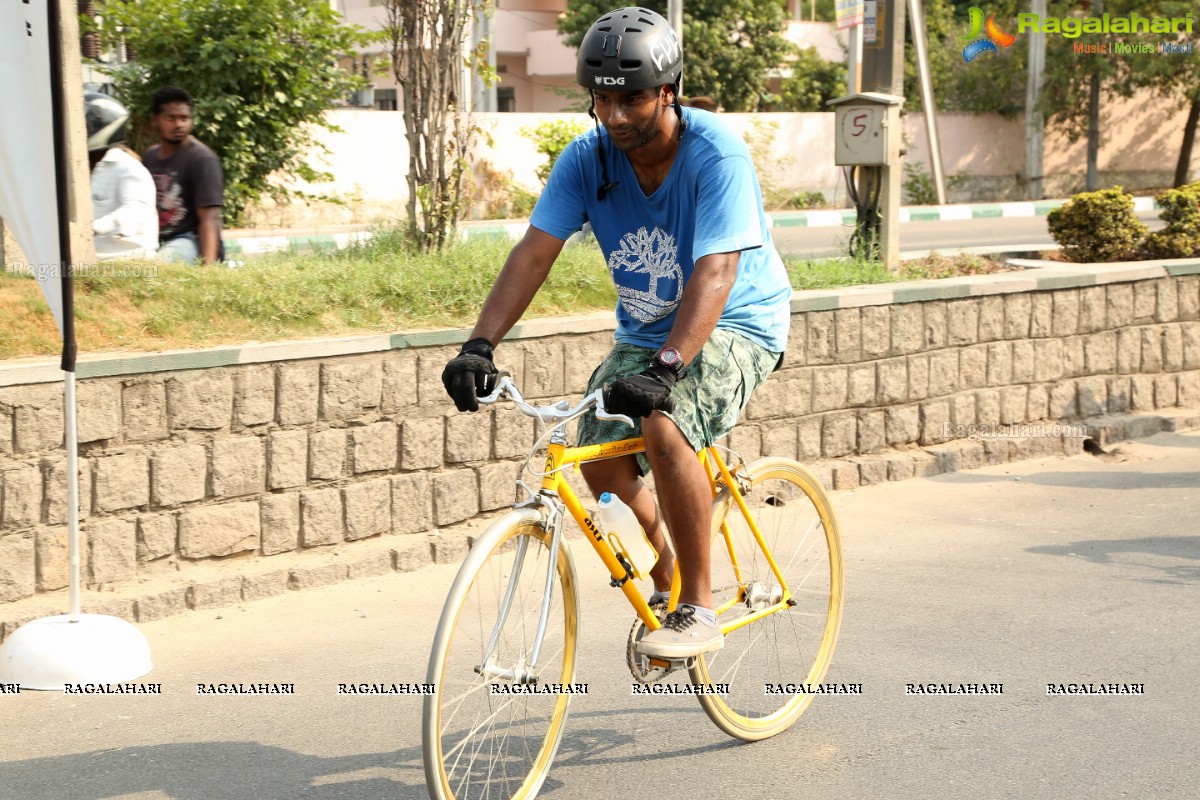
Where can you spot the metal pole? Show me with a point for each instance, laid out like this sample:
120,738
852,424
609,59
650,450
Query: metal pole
928,104
1093,136
1034,123
675,17
854,69
62,169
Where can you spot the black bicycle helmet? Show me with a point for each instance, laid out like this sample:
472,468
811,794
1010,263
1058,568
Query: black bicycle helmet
106,121
629,50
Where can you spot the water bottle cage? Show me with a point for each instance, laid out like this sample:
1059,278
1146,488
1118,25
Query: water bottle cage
617,583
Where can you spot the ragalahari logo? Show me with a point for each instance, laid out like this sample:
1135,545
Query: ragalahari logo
983,38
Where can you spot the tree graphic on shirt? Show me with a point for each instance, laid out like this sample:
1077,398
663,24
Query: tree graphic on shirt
653,254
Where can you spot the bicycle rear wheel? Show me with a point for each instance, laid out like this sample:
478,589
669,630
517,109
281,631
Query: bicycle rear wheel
485,742
792,647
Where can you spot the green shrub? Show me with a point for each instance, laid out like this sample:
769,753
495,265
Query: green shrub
918,185
808,200
1097,226
1181,237
813,82
551,138
497,196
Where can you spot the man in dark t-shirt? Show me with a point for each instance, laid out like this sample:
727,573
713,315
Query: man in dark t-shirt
190,185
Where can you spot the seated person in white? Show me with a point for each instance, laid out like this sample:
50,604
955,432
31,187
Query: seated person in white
125,217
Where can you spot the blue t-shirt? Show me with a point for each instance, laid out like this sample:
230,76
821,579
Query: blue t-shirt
710,202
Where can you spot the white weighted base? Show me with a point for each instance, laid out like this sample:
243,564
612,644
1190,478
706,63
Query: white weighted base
51,652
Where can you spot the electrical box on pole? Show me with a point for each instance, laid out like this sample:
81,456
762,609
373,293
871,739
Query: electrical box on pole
867,140
868,131
877,188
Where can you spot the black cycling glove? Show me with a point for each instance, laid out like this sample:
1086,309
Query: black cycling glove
470,374
642,394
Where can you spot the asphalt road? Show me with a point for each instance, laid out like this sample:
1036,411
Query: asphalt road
1054,571
1012,234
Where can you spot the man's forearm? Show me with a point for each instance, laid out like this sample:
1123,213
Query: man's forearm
703,302
523,274
209,235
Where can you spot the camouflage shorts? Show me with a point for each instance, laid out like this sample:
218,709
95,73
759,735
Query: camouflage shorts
709,398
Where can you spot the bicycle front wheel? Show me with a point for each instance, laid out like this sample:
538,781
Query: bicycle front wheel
766,664
484,734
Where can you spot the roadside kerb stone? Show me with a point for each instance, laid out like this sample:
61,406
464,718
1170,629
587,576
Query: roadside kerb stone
312,577
265,584
215,594
162,605
413,555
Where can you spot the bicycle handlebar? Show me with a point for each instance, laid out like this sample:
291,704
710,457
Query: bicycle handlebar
561,411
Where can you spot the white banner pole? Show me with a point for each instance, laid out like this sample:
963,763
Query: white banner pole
72,444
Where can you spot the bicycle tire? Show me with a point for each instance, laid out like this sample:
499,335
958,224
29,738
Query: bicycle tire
791,647
475,743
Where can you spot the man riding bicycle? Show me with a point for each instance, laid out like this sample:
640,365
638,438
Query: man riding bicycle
703,309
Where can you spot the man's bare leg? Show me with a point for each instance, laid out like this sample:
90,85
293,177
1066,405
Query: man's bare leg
685,496
620,476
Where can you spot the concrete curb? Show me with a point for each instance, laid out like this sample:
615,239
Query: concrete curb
814,218
215,587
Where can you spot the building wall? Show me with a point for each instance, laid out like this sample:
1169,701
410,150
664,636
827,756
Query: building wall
370,158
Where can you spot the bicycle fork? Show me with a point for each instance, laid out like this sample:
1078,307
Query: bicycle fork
526,673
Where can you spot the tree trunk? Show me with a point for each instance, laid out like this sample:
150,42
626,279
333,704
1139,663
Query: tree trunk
1183,167
426,43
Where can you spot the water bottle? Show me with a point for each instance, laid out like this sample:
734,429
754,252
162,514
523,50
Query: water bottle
625,534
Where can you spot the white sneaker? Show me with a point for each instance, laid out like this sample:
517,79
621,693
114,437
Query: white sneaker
682,635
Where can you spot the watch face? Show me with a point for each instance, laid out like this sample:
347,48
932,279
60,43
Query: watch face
670,357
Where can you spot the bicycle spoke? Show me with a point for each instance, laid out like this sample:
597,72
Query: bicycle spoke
500,745
793,519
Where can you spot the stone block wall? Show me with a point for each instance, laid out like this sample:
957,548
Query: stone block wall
230,462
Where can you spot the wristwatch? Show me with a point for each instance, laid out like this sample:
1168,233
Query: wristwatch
669,357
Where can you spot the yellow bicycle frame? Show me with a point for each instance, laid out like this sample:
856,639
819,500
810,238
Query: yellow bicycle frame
560,456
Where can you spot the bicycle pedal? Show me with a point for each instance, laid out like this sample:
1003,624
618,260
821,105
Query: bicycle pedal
672,664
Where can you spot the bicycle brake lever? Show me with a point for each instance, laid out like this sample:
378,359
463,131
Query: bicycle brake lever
602,414
503,380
